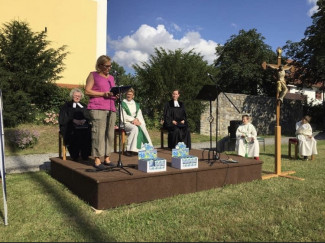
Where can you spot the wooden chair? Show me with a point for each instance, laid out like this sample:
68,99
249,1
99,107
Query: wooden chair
123,139
62,148
295,142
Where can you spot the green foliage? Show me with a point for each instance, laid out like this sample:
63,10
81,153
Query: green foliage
17,107
169,70
316,112
27,63
309,53
239,62
153,122
59,96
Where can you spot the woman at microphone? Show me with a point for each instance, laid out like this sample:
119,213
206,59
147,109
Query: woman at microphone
102,110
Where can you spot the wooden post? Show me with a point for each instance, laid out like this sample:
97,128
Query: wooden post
278,127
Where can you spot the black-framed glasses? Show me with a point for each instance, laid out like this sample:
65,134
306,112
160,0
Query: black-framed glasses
106,66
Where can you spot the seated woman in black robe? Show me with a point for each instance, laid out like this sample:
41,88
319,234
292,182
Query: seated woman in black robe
175,121
74,121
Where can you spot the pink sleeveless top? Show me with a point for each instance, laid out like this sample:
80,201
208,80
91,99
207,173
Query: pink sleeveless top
102,84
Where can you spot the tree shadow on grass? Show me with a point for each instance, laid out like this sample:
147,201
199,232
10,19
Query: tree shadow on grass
86,227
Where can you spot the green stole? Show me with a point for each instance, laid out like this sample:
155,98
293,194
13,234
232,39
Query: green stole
141,137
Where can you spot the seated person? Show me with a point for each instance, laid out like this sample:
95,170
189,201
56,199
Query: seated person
246,139
175,121
307,144
135,125
74,121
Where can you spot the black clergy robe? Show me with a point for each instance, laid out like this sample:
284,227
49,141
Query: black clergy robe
76,138
180,132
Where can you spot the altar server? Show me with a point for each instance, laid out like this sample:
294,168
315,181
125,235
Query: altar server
246,139
307,144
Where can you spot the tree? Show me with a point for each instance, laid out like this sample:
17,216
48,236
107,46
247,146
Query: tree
169,70
28,70
309,53
239,62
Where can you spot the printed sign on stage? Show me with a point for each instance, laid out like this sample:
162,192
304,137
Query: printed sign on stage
148,160
181,158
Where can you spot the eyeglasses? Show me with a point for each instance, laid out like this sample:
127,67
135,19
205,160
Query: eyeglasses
77,96
106,66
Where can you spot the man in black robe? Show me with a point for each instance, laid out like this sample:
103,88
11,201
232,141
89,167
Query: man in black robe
175,121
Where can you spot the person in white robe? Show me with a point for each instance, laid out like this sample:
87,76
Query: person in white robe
135,126
307,143
246,139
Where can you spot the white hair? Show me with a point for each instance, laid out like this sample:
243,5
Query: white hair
76,90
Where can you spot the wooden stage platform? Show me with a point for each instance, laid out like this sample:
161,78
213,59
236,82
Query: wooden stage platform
109,189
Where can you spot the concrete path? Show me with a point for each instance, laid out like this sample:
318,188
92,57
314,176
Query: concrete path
36,162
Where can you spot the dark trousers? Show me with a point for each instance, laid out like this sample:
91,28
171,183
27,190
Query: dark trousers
80,144
179,134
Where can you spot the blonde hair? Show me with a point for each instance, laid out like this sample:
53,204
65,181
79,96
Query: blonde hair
101,60
307,118
131,90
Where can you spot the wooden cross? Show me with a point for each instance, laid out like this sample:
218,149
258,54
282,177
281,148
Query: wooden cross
281,74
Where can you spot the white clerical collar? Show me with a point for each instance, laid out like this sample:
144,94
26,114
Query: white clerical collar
75,105
129,102
176,104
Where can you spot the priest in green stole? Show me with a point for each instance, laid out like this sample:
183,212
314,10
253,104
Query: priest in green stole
135,126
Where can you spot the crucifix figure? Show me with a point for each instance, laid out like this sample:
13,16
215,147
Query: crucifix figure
281,83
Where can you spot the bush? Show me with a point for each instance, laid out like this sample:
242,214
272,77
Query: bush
17,108
23,138
57,97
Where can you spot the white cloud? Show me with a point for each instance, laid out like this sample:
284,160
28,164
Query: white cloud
314,7
137,47
234,25
176,27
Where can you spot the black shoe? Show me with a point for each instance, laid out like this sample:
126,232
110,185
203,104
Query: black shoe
111,164
100,167
128,153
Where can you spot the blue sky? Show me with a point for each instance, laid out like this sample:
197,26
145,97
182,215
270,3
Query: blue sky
136,27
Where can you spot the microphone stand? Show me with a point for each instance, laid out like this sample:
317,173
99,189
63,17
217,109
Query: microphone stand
217,153
210,93
119,164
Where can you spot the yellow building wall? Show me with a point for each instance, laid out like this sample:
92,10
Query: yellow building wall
68,22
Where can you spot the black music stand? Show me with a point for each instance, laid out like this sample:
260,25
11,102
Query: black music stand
118,91
217,112
210,93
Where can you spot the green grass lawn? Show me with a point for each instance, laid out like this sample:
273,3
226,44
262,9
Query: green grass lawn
277,209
